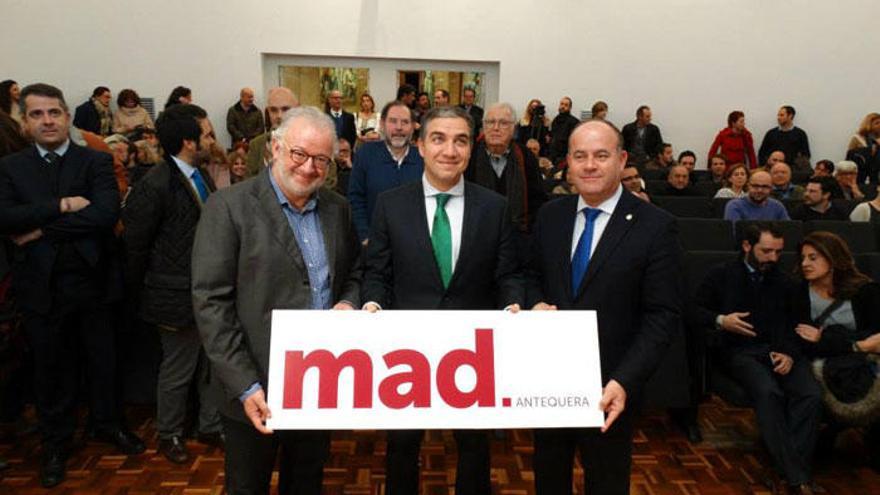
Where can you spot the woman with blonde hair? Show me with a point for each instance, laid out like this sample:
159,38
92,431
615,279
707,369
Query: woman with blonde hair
366,121
868,132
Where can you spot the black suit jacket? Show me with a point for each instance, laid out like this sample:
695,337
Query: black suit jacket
29,200
653,138
245,263
476,113
632,282
349,131
401,272
87,118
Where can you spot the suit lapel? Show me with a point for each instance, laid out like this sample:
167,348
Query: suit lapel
68,168
619,224
563,244
469,231
185,182
329,215
277,221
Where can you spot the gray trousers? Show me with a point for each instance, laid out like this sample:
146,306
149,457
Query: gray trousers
182,362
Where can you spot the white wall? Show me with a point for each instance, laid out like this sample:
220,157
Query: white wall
693,61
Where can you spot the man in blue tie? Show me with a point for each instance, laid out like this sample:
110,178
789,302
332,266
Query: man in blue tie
160,217
604,249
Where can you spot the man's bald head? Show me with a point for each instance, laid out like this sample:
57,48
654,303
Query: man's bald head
279,101
247,97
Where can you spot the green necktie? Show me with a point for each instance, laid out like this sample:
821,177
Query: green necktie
441,239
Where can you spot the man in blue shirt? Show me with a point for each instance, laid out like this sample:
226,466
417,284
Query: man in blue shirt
758,205
382,165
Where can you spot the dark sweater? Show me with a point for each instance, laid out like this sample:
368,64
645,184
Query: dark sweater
792,143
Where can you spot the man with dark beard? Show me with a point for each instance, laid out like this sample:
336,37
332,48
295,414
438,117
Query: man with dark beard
382,165
160,217
748,303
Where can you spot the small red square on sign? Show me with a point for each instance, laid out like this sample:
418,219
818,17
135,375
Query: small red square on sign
505,402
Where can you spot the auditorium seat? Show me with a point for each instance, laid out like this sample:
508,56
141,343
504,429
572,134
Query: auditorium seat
706,188
653,174
791,205
655,187
685,206
702,234
800,177
860,236
718,205
869,264
792,231
869,190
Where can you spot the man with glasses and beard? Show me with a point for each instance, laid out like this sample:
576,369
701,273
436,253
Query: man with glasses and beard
382,165
747,301
160,218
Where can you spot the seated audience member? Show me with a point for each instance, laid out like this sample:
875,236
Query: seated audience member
244,120
780,176
789,139
534,124
534,147
868,211
663,159
180,95
735,182
868,132
678,182
9,100
382,165
11,138
146,155
237,166
343,161
161,215
817,202
735,141
599,110
774,158
688,159
563,186
366,121
130,115
839,313
846,172
122,149
278,101
641,138
94,115
757,204
717,169
824,168
748,301
632,182
216,164
868,161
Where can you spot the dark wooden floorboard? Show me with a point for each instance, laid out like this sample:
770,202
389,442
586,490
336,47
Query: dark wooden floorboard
730,461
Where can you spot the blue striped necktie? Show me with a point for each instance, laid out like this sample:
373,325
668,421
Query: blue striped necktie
581,259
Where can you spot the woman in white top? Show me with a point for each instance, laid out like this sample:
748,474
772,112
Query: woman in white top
735,180
869,211
367,120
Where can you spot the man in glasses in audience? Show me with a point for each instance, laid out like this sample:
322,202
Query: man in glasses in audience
758,205
279,241
632,182
500,164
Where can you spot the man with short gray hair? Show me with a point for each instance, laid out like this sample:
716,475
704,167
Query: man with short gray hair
278,241
846,173
501,165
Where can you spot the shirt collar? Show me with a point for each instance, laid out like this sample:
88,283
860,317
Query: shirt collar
456,190
60,151
606,206
502,155
184,167
311,204
403,157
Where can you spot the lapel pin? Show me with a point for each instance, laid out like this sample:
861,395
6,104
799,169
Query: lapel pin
629,217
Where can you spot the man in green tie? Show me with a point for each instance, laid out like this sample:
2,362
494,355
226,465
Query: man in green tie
441,243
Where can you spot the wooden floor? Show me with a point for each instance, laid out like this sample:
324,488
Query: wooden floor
729,461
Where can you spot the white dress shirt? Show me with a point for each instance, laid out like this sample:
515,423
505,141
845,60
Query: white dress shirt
607,207
454,210
60,151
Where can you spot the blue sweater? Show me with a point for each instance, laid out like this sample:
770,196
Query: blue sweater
745,209
373,171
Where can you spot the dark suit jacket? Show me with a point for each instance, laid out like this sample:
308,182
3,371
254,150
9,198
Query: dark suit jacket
29,200
401,272
246,262
653,138
632,282
86,117
349,130
476,113
727,289
160,216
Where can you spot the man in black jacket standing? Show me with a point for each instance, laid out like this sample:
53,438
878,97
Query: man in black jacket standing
59,203
641,138
561,128
160,217
749,302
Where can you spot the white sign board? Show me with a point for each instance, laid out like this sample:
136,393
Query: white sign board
338,370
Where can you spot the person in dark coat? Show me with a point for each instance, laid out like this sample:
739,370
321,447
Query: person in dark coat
94,115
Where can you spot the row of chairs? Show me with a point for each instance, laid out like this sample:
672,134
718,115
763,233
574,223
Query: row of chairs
705,207
707,188
712,234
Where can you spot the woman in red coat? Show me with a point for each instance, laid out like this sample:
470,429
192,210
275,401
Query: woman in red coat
735,141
